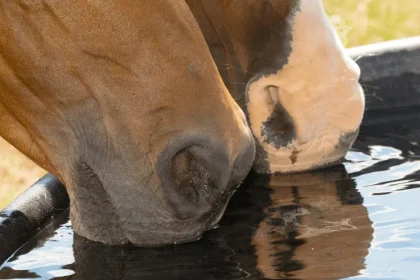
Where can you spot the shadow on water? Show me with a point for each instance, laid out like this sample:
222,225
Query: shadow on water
280,227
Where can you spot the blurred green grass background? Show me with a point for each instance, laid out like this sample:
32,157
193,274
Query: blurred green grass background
358,22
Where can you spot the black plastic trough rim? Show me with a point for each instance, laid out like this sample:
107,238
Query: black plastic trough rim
390,73
26,215
381,64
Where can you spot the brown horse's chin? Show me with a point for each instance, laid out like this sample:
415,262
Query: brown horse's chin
177,231
131,215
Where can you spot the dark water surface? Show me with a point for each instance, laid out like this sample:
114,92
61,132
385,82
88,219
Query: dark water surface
359,220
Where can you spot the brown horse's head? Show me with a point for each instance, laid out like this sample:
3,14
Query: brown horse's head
286,67
122,101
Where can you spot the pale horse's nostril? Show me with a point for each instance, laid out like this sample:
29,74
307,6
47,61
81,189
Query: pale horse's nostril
273,91
279,128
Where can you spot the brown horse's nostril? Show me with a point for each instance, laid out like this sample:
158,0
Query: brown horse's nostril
191,175
198,176
194,175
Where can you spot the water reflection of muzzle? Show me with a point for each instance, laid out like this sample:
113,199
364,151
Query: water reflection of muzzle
315,228
306,226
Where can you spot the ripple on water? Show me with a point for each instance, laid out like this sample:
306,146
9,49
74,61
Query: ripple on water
52,252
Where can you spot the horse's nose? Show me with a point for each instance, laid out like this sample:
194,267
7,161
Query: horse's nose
198,177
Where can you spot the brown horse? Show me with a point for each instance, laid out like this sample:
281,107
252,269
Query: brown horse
121,100
286,67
